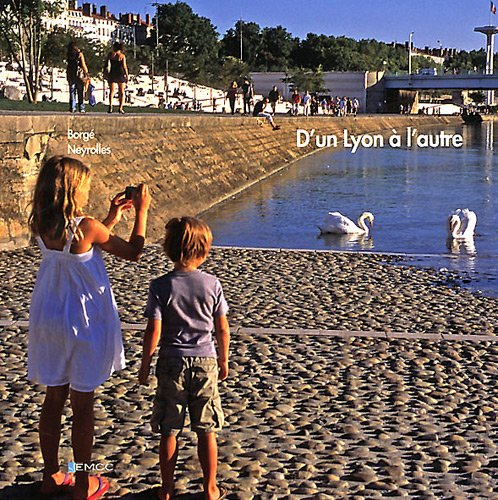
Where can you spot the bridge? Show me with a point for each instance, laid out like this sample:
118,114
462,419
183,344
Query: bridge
447,82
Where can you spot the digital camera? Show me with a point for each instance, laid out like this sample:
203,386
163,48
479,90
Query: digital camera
129,192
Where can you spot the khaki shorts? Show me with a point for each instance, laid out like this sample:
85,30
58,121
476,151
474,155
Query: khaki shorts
188,382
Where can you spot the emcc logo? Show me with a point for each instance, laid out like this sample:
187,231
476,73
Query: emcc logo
95,467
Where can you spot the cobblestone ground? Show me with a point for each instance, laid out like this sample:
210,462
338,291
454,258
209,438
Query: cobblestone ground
308,416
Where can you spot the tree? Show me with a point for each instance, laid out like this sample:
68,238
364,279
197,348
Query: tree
467,61
277,44
232,69
251,42
188,41
54,50
21,27
307,79
313,51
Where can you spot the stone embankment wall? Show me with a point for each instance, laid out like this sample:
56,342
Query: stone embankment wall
190,162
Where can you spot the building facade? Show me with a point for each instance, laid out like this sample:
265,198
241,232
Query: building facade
100,25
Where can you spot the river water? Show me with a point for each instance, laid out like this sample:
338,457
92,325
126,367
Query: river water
410,190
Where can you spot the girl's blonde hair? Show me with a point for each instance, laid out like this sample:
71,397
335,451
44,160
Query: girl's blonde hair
55,202
186,239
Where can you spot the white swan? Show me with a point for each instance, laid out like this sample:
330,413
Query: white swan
461,224
336,223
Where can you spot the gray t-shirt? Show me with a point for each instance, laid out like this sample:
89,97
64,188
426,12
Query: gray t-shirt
186,302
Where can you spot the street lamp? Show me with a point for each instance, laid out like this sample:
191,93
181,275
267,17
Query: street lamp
157,5
240,25
410,42
157,27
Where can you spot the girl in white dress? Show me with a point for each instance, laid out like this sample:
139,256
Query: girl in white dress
74,339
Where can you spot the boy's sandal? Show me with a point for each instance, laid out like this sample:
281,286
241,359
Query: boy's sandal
103,487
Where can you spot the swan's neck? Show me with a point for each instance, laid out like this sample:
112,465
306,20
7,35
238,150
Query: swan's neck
470,224
362,225
457,224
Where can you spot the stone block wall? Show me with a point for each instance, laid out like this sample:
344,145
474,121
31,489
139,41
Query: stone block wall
191,162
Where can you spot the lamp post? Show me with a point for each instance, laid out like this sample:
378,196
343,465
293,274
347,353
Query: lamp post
240,26
134,41
410,42
157,5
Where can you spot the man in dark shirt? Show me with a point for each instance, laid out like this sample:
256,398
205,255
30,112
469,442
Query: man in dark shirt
248,92
259,112
274,96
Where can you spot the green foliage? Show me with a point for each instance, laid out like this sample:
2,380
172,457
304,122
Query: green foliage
307,79
188,41
346,54
140,55
251,42
276,47
232,69
420,62
468,61
5,54
23,34
54,50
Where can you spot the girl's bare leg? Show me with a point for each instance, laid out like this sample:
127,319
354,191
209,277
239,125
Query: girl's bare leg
82,441
50,433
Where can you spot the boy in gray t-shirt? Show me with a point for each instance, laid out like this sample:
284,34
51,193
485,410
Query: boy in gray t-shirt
183,308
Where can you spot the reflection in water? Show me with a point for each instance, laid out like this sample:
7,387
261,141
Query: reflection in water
465,253
347,241
489,135
461,247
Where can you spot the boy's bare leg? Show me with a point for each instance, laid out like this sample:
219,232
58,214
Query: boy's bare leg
207,450
168,454
50,433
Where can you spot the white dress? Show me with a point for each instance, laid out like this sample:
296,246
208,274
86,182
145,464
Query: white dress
74,328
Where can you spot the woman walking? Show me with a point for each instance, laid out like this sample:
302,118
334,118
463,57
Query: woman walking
117,74
231,95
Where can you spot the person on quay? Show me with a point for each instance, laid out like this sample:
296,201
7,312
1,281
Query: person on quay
77,75
184,308
116,72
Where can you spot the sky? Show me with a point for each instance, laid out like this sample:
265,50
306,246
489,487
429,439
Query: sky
449,23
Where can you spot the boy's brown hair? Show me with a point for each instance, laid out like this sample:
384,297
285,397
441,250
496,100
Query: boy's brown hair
186,239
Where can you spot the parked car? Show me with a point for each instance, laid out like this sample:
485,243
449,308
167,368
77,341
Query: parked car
428,72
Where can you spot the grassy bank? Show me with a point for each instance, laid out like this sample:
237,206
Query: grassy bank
25,106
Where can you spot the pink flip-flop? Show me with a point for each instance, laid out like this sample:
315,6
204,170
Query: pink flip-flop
103,487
